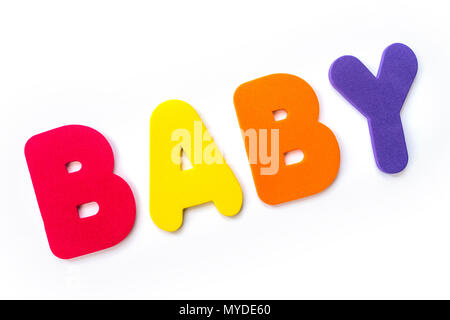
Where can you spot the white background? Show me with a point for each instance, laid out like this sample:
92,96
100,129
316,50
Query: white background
108,64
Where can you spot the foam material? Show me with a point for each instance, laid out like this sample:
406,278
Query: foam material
175,127
60,193
380,100
269,137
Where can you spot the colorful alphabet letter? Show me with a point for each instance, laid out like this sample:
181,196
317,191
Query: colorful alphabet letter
175,127
256,102
59,192
380,100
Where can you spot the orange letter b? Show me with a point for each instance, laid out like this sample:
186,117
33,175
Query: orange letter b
256,103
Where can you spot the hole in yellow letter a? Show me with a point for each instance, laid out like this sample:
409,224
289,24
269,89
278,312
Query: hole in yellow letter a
176,126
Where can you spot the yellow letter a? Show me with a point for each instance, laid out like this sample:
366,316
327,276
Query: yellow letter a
174,127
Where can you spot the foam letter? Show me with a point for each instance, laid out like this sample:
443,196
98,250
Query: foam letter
380,100
255,102
175,127
60,193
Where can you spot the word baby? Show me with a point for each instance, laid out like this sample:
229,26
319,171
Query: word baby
176,130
